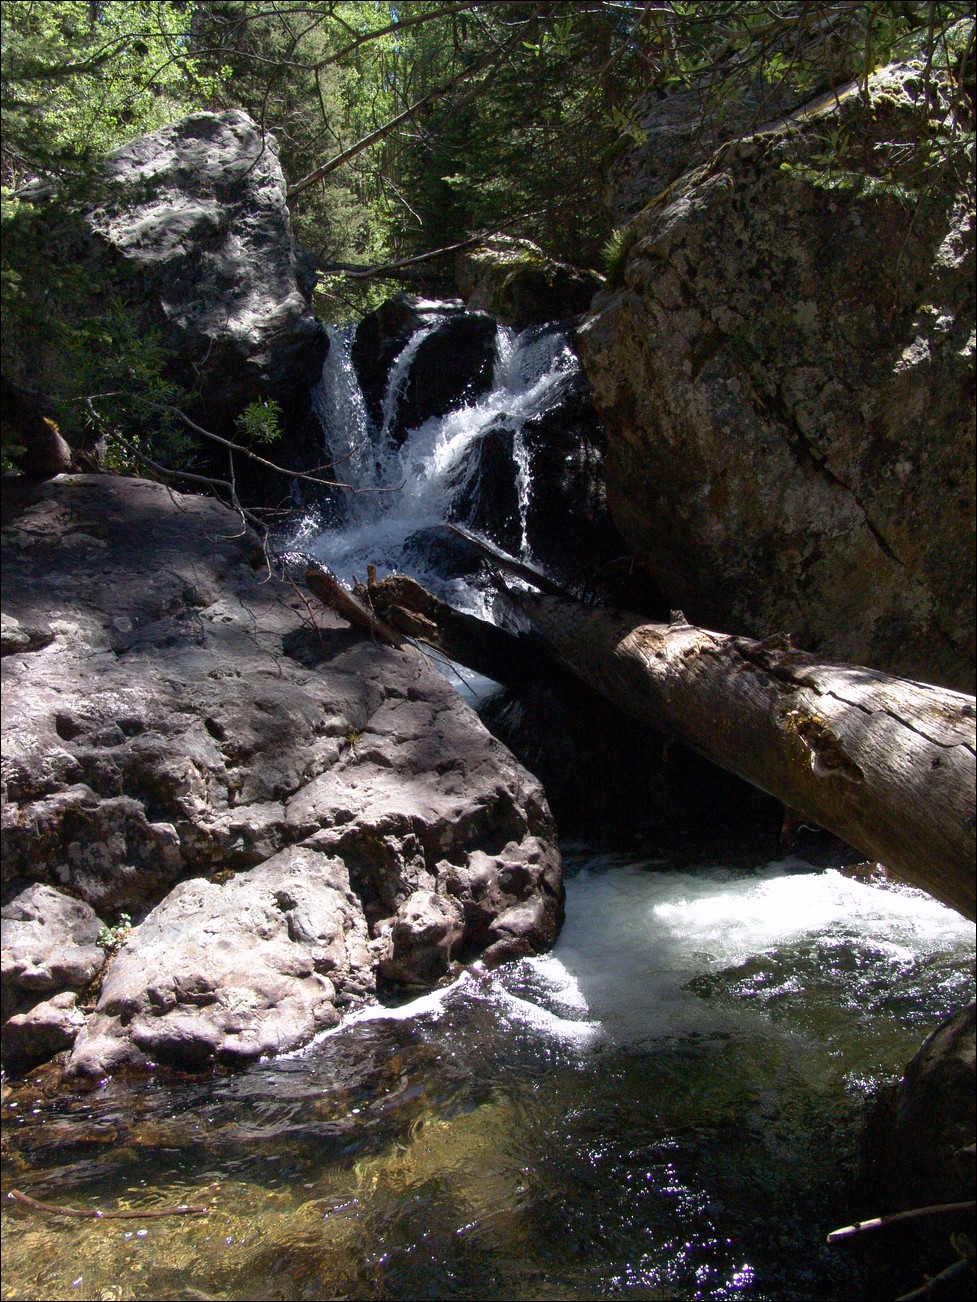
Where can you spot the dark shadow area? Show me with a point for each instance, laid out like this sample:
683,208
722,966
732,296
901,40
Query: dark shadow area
619,784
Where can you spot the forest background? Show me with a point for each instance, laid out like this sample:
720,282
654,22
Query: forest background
403,128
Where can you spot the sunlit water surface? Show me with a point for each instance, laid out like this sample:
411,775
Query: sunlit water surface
666,1106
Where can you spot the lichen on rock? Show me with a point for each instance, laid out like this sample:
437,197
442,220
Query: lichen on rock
786,376
515,281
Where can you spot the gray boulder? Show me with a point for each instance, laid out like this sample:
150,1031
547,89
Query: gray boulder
49,944
262,795
196,221
42,1031
234,971
786,378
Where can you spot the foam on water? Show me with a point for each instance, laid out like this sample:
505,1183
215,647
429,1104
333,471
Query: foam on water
635,937
638,936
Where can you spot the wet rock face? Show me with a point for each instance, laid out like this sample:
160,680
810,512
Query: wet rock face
382,335
264,798
786,377
919,1144
452,368
452,365
198,225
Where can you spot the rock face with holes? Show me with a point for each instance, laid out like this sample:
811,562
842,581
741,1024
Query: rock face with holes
283,808
785,370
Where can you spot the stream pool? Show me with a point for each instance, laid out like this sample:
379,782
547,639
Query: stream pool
666,1106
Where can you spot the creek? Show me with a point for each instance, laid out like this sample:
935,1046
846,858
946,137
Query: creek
667,1105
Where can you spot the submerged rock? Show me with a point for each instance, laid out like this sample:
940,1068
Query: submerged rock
452,368
919,1144
262,796
786,376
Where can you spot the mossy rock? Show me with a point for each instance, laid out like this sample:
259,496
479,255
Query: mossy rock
516,282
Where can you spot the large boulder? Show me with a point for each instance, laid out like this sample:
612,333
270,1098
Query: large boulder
516,282
195,224
919,1143
418,358
452,367
269,801
383,334
786,376
49,944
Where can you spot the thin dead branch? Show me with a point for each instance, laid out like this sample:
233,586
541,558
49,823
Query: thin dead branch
914,1213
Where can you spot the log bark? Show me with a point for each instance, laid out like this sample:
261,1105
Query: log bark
886,764
323,584
402,603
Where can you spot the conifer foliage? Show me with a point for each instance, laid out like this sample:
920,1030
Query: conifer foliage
402,127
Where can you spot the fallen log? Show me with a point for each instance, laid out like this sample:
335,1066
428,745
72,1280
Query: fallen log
886,764
323,584
401,603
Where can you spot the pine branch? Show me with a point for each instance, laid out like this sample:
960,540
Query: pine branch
494,56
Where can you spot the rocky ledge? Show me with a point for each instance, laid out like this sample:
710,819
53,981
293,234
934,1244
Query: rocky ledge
228,819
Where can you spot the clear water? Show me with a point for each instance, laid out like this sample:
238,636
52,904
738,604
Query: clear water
641,1113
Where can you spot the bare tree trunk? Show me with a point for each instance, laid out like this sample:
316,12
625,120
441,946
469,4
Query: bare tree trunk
884,763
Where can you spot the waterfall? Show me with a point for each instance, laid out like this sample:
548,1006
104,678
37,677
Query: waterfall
338,403
393,496
397,382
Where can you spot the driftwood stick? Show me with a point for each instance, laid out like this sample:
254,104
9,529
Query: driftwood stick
937,1209
937,1281
52,1209
324,585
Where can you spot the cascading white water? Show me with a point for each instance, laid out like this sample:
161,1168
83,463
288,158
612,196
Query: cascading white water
394,493
338,402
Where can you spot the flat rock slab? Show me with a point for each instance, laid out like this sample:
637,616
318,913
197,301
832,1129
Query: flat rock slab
272,799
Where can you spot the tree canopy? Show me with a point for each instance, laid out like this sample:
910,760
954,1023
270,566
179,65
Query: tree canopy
404,127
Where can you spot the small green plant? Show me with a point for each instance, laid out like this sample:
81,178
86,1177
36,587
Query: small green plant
11,448
260,422
111,939
614,252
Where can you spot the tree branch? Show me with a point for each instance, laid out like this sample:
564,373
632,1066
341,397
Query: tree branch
411,111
